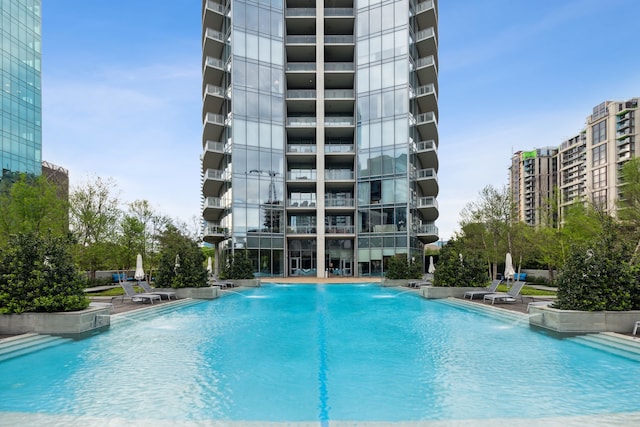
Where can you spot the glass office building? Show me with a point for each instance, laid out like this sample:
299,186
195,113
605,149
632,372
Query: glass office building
20,54
320,133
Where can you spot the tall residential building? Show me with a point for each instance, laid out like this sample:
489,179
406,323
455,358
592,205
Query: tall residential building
20,106
320,132
533,179
589,163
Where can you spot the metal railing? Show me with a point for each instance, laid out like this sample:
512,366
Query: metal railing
301,121
339,229
301,66
339,121
301,94
339,203
301,148
338,175
300,11
339,66
339,148
339,93
301,174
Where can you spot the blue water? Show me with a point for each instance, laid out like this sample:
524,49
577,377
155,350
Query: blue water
320,353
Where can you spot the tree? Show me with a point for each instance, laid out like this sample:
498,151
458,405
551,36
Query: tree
629,202
94,216
31,204
37,273
239,266
399,267
190,270
457,267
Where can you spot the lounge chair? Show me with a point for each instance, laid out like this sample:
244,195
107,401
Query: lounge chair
509,296
222,284
130,293
635,328
148,289
491,289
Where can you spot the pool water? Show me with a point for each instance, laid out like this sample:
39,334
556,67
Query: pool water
320,353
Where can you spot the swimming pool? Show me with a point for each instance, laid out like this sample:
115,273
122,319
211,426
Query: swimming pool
319,355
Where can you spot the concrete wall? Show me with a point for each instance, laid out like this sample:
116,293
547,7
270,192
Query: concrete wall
64,323
571,321
437,292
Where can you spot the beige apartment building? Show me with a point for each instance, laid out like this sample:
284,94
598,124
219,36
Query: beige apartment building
588,164
320,133
533,178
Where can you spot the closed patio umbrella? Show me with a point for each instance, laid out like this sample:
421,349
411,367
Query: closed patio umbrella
508,267
139,274
432,268
176,266
209,266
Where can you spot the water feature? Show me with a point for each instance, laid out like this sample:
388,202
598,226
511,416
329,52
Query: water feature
319,354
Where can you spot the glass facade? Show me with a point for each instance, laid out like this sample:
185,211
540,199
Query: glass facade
21,107
319,144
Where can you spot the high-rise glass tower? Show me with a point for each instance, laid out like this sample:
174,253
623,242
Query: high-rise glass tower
20,106
320,132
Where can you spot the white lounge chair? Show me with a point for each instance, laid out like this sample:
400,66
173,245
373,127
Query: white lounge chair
509,296
130,293
635,328
148,289
491,289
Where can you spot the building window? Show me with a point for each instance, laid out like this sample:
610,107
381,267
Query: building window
599,132
599,155
600,199
599,177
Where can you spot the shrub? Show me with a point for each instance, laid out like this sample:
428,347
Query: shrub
599,277
37,274
453,271
238,267
399,268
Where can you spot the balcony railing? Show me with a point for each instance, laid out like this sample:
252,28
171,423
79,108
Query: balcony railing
301,121
300,39
217,119
426,145
210,33
215,174
425,62
424,5
338,175
339,202
426,229
339,66
339,229
301,174
214,62
301,148
299,203
339,93
213,202
301,66
301,94
212,228
300,11
301,229
423,90
214,146
338,11
427,202
339,148
214,90
339,121
216,7
339,39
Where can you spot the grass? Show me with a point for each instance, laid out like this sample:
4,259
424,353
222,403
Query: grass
527,290
115,292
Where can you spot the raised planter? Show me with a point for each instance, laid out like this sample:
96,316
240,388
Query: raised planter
387,283
247,283
437,292
62,323
207,292
572,321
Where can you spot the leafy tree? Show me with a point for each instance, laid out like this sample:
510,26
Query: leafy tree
31,204
629,202
398,267
238,266
190,270
599,276
94,216
458,268
37,273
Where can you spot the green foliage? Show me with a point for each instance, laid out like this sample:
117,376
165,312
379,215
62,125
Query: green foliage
31,204
599,276
452,271
239,266
37,274
189,271
399,268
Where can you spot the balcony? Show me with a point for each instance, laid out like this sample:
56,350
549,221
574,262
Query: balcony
426,96
339,203
213,181
214,98
300,67
294,12
427,152
301,175
339,39
338,12
428,207
301,229
302,204
213,208
426,69
214,233
426,125
213,126
301,148
339,229
426,42
427,233
301,122
425,14
214,69
339,67
344,121
427,180
213,43
212,155
339,149
339,175
301,40
214,15
339,94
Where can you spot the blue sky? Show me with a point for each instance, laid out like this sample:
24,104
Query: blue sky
122,90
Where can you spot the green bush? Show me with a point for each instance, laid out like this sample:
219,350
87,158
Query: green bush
238,267
599,277
399,268
190,272
452,271
37,274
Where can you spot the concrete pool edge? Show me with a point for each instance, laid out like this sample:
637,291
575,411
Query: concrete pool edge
39,419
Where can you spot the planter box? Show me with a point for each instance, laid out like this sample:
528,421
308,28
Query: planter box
246,283
62,323
207,292
437,292
572,321
394,282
